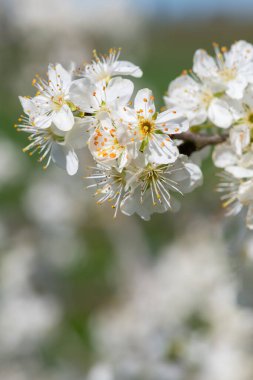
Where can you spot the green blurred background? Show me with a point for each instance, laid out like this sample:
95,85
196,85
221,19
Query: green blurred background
56,245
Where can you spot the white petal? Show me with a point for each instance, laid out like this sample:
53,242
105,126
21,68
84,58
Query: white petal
127,68
58,154
119,91
186,174
144,102
65,158
28,105
235,88
103,146
161,151
64,119
172,121
128,115
71,162
241,52
43,121
204,65
239,171
132,204
195,177
220,113
224,155
239,138
82,94
59,78
78,136
187,94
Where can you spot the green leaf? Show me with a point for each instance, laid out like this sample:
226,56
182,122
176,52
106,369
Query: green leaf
219,94
158,132
154,117
144,145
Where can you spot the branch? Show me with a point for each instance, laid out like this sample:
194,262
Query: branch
197,141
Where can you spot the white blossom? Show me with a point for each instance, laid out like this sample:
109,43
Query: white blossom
106,66
150,132
199,102
149,188
53,144
50,105
230,71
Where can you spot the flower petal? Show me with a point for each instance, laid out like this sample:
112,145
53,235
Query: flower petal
224,155
65,158
220,113
83,95
127,68
235,88
78,136
64,119
59,78
132,204
239,138
172,121
119,91
204,65
239,171
72,162
161,150
185,93
144,103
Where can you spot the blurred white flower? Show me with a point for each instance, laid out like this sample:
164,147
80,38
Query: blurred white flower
25,316
12,164
179,319
230,71
54,202
107,66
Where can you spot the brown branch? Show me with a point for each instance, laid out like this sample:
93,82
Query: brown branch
201,140
197,141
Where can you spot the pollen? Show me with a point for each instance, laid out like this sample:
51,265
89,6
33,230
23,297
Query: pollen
146,126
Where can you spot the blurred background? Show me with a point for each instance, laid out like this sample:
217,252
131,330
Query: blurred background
83,296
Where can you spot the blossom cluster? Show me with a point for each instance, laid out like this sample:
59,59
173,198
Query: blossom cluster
218,94
138,162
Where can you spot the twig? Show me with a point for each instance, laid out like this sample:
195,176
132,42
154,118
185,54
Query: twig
197,141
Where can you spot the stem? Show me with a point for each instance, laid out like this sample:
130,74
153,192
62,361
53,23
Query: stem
197,141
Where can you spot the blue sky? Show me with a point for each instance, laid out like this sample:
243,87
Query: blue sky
182,8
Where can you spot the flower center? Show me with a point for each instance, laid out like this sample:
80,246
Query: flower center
206,97
146,126
228,74
57,102
250,118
